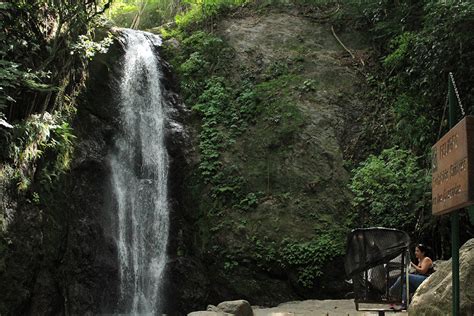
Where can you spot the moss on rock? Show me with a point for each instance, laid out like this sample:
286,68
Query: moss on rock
273,99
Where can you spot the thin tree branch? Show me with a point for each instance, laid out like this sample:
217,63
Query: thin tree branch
341,43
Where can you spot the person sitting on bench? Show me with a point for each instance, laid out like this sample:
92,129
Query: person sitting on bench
424,269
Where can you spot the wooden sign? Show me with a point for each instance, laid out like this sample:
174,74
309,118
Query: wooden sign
452,185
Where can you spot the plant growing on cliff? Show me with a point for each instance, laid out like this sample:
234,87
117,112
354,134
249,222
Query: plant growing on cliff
37,137
211,104
201,56
143,14
310,257
419,43
224,116
390,190
35,48
225,109
306,258
88,48
198,11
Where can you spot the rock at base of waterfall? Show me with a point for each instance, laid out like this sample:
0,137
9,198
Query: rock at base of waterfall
434,296
237,308
209,313
234,308
212,308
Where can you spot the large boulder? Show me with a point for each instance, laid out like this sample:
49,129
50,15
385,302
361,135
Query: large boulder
434,296
234,308
237,308
208,313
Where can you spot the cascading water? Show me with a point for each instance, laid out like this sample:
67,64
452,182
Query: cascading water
139,166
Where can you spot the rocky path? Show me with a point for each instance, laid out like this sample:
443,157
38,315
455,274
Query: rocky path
316,308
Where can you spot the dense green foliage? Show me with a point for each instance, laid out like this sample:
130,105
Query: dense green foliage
307,258
419,43
44,50
38,67
143,14
225,112
204,11
390,190
146,14
40,136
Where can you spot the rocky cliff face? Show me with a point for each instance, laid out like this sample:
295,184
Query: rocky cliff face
283,239
62,257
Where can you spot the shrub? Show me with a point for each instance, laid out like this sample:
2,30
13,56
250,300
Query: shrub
307,258
390,190
415,127
36,137
400,45
199,11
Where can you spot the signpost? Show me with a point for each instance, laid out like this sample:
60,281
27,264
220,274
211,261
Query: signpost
453,178
453,168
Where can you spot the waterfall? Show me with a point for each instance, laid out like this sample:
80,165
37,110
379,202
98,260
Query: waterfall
139,167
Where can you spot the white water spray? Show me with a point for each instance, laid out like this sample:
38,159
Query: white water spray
139,166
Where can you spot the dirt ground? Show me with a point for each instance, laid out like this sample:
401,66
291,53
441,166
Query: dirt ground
316,308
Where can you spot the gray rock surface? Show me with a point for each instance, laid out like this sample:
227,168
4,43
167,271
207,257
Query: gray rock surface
237,308
434,296
316,308
208,313
234,308
276,150
212,308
